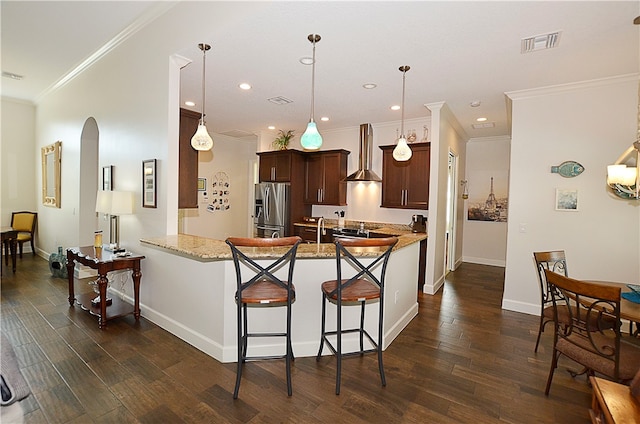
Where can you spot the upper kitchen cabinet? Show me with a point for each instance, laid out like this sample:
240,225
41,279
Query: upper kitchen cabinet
325,174
405,185
279,166
188,161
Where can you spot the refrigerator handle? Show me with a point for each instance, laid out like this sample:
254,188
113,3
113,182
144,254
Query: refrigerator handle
266,203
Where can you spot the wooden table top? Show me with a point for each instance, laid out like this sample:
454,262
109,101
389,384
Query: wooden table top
628,310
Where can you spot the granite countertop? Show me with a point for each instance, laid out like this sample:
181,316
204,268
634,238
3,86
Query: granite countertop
203,248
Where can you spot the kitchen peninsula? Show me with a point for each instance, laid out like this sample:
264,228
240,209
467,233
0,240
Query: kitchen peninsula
199,305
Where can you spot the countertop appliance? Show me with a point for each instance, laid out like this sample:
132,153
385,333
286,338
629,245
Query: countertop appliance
271,214
418,224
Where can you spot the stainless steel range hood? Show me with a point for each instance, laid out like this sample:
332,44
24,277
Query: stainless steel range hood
364,172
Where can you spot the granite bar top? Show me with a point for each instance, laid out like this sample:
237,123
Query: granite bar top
202,248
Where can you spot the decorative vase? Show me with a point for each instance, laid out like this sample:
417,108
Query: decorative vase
58,264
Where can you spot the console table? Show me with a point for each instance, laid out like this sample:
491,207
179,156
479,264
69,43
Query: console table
9,241
104,261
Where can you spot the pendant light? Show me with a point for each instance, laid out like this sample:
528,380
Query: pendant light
402,152
201,140
311,139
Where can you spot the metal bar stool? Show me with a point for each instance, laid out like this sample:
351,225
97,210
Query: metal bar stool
263,289
367,285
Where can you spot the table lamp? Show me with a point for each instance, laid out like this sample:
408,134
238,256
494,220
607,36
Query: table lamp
114,204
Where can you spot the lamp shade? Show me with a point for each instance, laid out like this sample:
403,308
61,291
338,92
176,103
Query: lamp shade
402,151
201,140
103,201
114,202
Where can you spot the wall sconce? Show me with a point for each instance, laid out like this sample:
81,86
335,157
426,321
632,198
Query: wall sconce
114,204
465,191
623,177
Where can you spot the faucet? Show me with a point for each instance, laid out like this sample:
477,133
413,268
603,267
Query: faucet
319,232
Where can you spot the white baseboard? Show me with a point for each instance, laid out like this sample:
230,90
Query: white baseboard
485,261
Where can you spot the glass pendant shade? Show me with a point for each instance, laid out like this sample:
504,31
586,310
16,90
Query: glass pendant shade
402,151
311,139
201,140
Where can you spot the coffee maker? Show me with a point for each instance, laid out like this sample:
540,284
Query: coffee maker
418,224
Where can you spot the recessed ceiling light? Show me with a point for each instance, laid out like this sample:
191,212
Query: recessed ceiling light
189,103
271,127
395,107
306,60
481,119
475,103
369,85
324,118
245,86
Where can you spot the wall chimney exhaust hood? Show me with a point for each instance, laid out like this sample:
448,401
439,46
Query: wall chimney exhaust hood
364,172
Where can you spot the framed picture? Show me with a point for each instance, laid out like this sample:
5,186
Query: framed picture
566,199
149,184
202,184
107,178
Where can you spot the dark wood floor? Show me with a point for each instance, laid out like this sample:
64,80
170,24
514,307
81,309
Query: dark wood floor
461,360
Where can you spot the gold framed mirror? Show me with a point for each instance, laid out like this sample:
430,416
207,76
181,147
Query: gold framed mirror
51,158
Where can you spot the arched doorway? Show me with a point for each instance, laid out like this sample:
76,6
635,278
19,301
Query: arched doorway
88,175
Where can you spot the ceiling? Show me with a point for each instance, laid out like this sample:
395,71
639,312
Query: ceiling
459,52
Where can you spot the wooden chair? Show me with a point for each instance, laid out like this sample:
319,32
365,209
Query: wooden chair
554,261
257,285
367,285
25,223
601,349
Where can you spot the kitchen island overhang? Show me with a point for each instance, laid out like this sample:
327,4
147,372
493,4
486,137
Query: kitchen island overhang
192,295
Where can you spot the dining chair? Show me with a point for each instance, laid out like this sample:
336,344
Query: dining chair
25,223
556,261
366,285
600,349
258,286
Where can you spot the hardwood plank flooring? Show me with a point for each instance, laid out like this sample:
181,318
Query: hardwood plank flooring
461,360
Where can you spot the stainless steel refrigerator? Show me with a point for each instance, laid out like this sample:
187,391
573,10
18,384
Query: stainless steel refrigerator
272,211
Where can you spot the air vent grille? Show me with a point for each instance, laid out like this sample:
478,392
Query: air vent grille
483,125
279,100
540,42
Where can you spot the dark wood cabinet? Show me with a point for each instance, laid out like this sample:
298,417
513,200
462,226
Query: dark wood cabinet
309,234
405,185
325,174
276,166
188,161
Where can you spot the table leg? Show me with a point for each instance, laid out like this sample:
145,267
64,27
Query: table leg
13,243
102,285
136,275
70,267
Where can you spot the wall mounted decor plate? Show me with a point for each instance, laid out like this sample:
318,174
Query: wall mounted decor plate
568,169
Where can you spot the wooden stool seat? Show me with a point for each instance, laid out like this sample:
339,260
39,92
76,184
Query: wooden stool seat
357,291
266,292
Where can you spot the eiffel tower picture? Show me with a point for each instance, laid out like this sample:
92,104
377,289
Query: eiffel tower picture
493,209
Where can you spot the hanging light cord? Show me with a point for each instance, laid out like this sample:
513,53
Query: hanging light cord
404,70
204,48
313,38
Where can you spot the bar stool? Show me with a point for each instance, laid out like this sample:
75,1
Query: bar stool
366,286
263,289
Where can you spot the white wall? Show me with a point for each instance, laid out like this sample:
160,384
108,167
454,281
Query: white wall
591,123
485,242
447,135
19,159
235,158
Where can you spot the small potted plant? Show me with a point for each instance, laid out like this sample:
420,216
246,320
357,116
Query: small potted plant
283,139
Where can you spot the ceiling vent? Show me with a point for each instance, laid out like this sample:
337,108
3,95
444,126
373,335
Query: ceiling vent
483,125
279,100
540,42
